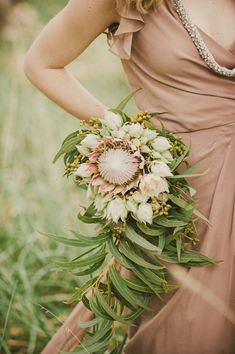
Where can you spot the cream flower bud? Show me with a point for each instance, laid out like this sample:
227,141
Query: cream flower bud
192,191
83,171
145,149
167,155
112,120
101,201
160,168
139,197
116,210
82,149
135,130
149,134
152,185
131,205
161,144
136,142
90,141
119,134
144,213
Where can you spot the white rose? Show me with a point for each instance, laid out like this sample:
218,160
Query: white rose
160,168
90,141
152,185
83,171
112,120
145,213
135,130
161,144
116,210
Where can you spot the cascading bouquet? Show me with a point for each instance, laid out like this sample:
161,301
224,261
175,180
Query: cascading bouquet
143,212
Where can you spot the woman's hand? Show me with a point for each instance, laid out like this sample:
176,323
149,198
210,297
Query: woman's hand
62,40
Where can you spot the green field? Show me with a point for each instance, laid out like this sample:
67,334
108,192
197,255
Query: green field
33,194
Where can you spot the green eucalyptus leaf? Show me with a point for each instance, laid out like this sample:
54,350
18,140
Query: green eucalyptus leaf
181,158
89,219
130,253
68,146
132,235
163,221
161,242
84,241
180,202
108,309
83,262
117,255
124,102
122,288
150,230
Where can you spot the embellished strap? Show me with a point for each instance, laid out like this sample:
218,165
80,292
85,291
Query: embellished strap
120,41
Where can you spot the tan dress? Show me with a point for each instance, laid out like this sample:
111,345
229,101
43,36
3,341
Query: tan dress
159,56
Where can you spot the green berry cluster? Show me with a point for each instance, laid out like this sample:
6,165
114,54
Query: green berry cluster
118,229
189,233
140,117
70,167
92,122
160,207
178,147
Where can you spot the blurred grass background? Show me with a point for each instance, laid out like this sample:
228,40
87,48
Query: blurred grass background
33,194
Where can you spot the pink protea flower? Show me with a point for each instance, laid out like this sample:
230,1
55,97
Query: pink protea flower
116,164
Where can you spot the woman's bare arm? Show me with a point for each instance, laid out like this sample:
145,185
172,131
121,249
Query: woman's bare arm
62,40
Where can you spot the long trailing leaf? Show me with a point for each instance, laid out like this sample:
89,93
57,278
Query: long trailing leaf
97,310
180,202
132,235
201,216
187,257
78,295
124,102
68,146
130,253
138,286
150,230
161,242
142,277
123,289
91,269
108,309
181,158
91,323
83,262
82,241
163,221
85,241
89,219
183,175
117,255
178,247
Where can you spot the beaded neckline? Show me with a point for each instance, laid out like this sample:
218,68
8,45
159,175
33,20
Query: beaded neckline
199,43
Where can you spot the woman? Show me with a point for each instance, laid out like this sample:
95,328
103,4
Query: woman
182,54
